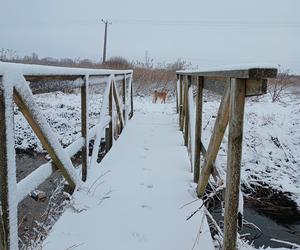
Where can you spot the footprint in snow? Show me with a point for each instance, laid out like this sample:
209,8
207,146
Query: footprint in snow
150,186
145,205
140,237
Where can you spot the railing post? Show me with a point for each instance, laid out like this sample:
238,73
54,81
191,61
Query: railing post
84,127
110,126
8,188
235,138
176,92
198,128
187,83
131,101
124,97
181,102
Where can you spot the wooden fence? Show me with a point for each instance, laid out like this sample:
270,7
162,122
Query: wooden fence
15,89
234,86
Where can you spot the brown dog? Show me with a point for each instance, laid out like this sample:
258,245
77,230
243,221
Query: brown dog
159,95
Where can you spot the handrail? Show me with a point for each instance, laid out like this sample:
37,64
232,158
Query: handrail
234,84
14,88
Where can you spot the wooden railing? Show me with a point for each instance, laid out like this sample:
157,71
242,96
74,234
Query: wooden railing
15,88
234,85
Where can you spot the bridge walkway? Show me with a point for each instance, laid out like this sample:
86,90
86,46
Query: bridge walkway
138,196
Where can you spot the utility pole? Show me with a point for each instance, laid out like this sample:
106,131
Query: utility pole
106,22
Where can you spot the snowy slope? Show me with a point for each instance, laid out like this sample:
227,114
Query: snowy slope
135,198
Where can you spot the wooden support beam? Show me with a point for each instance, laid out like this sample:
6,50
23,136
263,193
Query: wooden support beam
186,111
181,102
235,139
124,98
8,183
131,101
119,112
198,128
24,100
110,126
177,93
84,128
218,85
215,142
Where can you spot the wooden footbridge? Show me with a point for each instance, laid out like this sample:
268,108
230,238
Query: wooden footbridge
139,211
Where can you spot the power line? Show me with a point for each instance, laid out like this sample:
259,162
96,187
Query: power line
207,23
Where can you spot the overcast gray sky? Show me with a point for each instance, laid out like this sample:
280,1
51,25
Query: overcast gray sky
206,33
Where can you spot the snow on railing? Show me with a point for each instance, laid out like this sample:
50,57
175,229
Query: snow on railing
18,82
234,84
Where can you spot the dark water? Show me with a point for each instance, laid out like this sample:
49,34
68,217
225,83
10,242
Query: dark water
286,229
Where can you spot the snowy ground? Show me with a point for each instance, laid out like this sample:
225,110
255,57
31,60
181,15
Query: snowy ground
271,148
135,198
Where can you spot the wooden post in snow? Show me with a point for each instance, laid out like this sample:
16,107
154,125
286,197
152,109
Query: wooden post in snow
214,143
124,97
181,102
8,188
131,101
198,128
235,139
110,126
186,110
84,128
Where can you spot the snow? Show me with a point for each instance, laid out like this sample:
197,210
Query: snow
31,69
27,97
136,197
7,90
230,68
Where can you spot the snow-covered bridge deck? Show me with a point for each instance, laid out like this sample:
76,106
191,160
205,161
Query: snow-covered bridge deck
134,199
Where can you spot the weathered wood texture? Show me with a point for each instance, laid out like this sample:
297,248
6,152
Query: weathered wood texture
124,98
198,128
181,102
250,73
33,116
8,188
235,138
84,128
110,126
214,143
186,111
119,112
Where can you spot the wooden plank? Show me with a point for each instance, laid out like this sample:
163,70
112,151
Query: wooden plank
249,73
218,85
215,142
186,111
84,128
131,101
176,93
116,98
235,138
110,126
8,183
124,98
34,116
181,102
198,129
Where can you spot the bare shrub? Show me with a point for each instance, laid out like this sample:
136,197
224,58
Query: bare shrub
277,87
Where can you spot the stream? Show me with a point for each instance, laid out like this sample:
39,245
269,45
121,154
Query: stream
286,228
